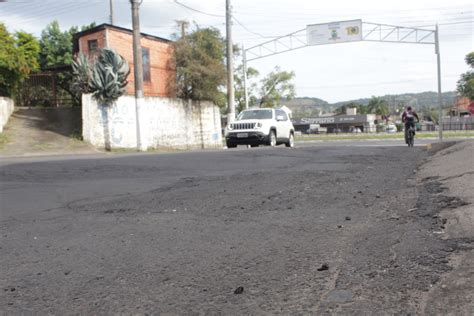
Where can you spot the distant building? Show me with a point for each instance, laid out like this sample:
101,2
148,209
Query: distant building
338,124
463,107
159,73
351,111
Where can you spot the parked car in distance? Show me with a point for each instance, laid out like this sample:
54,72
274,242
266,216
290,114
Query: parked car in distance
391,128
355,130
256,127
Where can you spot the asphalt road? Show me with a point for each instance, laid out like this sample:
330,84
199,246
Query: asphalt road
181,233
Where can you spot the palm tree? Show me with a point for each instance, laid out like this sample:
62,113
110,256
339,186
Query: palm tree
378,106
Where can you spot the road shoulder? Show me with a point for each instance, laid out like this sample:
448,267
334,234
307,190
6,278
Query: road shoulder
449,176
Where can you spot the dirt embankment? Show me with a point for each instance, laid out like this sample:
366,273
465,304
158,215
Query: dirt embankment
447,195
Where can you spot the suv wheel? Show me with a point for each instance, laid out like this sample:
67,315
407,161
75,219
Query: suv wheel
291,141
230,145
272,139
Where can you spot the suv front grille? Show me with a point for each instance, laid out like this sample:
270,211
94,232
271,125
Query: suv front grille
242,125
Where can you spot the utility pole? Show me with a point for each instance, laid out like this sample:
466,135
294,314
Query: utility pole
440,100
137,65
184,25
230,64
112,18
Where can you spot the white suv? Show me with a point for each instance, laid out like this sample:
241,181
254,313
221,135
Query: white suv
256,127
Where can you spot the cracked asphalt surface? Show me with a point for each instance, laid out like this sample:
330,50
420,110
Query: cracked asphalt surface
182,233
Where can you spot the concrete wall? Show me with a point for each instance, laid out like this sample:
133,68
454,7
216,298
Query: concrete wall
164,123
6,109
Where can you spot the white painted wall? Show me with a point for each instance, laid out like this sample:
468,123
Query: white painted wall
164,123
6,109
351,111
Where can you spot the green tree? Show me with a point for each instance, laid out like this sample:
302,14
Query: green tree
252,88
57,45
200,66
276,86
28,49
57,50
8,65
465,85
341,110
361,109
18,59
377,106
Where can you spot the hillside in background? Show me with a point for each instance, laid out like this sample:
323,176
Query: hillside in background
306,106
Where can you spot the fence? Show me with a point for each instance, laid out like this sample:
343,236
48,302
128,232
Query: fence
46,89
458,123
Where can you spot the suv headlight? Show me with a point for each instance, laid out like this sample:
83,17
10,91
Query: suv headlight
229,127
258,125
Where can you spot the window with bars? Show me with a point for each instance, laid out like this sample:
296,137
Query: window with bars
92,45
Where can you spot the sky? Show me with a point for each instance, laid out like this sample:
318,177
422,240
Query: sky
337,72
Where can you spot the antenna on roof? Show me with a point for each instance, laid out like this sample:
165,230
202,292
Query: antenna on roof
112,18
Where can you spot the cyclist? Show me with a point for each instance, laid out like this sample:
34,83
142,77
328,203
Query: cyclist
408,118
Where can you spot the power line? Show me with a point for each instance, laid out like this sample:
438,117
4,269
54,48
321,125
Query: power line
453,23
352,12
198,11
57,12
248,30
33,8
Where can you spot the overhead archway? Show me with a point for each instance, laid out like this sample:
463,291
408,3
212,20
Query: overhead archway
344,32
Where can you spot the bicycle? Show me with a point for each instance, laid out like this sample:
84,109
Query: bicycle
411,136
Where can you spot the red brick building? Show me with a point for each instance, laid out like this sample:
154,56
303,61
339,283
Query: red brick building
159,74
463,106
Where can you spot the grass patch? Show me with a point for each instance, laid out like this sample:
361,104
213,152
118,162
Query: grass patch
381,136
3,140
76,135
43,146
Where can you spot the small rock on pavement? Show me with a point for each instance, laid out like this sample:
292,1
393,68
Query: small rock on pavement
348,218
323,267
340,226
239,290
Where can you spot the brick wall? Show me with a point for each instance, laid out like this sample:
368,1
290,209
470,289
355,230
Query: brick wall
163,74
83,41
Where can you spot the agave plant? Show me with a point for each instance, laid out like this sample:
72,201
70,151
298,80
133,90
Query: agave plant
109,77
81,75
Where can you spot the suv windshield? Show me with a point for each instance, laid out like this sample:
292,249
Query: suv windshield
255,115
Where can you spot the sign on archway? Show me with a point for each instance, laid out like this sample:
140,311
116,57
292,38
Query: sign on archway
335,32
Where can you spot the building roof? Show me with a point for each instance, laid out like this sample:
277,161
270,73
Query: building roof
104,26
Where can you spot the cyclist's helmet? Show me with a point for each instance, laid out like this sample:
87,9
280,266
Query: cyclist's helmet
409,108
